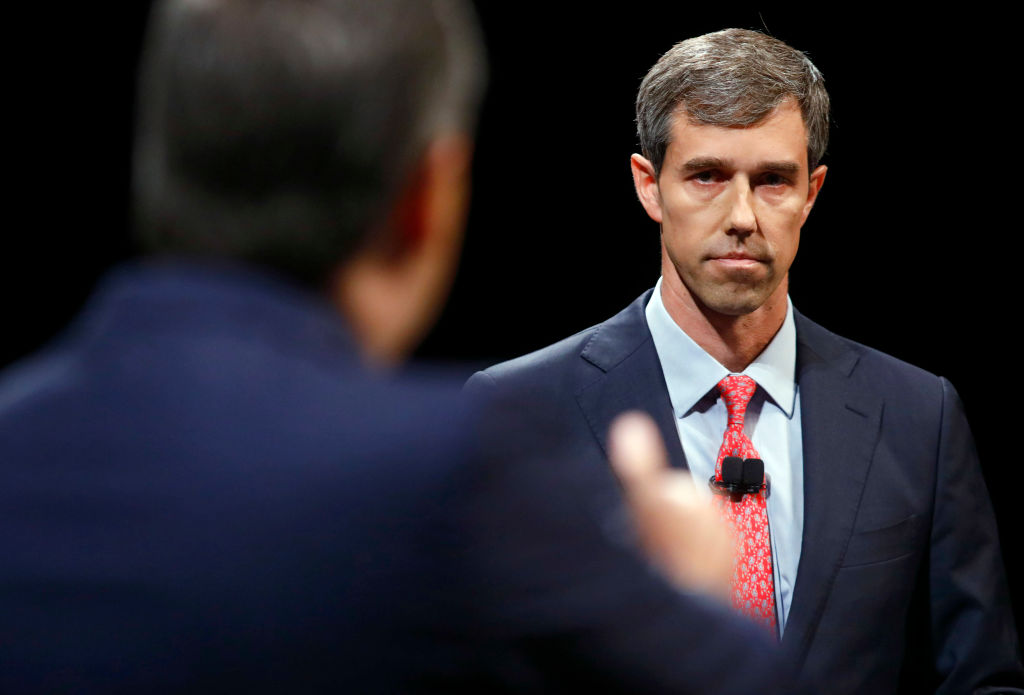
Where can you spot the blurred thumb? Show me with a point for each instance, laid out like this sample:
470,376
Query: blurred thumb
636,450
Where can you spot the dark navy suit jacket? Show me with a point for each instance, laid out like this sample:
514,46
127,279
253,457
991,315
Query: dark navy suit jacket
900,585
202,488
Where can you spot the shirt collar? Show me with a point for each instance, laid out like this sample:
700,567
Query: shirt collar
690,372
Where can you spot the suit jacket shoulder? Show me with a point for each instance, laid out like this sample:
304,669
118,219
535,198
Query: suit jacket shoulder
882,371
575,361
597,373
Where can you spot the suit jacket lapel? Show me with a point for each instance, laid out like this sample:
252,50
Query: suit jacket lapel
630,379
840,426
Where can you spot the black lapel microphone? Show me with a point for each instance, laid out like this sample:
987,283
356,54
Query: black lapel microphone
739,477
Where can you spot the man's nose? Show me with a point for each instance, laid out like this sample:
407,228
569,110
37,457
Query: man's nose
742,220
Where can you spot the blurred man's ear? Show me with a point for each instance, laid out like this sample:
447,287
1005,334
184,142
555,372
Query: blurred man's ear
393,289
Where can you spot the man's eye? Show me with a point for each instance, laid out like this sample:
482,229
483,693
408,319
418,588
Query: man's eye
706,176
774,180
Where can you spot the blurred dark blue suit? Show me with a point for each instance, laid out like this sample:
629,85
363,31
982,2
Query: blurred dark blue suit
201,487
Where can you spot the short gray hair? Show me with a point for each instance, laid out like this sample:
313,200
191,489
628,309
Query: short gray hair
277,132
732,78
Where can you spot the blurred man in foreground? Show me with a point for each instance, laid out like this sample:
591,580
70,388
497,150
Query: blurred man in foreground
203,486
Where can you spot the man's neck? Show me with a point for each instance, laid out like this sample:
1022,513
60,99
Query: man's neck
734,341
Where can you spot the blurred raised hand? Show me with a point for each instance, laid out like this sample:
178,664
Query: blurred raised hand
679,529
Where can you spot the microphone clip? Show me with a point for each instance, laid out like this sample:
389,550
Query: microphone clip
739,477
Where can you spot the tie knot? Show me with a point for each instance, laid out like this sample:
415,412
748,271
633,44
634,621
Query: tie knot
737,391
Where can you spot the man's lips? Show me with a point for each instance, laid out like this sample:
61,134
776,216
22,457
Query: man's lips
738,260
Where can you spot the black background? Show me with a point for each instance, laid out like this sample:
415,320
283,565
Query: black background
913,247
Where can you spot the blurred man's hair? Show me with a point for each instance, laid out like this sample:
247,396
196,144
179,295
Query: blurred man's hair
732,78
278,131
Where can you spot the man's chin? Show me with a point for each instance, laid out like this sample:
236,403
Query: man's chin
734,303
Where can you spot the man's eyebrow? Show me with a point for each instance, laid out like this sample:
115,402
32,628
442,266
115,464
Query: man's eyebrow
701,163
704,163
781,167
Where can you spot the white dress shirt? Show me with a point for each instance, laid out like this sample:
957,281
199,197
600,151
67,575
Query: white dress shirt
772,423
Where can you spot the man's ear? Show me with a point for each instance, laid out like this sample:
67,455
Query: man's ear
645,180
814,186
393,289
431,209
447,163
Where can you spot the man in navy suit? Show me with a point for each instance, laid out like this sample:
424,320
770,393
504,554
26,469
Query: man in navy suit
884,561
204,486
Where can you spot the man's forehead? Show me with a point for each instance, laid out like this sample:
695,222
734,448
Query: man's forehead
781,135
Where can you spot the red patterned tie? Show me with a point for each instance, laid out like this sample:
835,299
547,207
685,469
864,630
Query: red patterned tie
753,588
